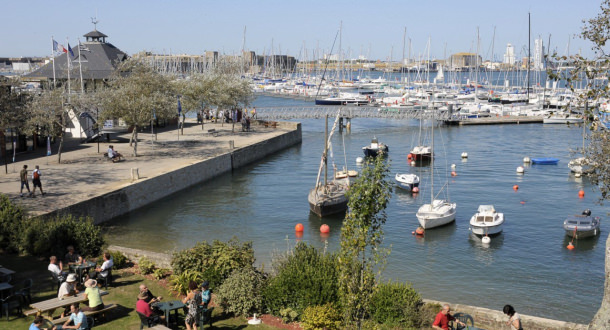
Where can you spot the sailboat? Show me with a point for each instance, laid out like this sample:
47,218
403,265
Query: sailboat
581,165
420,152
439,212
330,197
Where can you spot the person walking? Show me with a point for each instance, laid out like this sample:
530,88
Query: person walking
24,180
36,181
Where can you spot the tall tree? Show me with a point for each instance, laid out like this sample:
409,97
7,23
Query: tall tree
361,252
48,116
12,113
134,93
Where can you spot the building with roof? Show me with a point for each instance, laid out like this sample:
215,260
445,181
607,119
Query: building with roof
464,61
95,59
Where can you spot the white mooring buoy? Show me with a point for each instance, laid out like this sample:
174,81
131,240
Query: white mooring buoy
413,163
527,160
359,160
453,166
520,170
464,155
577,174
486,240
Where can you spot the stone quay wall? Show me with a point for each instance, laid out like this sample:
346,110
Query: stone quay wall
142,192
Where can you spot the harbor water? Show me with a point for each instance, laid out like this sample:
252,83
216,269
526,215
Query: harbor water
527,265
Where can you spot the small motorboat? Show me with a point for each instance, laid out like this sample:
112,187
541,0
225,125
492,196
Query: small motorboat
375,148
545,161
486,221
582,225
407,181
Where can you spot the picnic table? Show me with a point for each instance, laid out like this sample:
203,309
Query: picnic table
5,274
4,287
81,268
167,307
49,306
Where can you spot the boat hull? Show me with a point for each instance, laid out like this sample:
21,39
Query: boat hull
545,161
486,230
559,120
436,217
579,234
582,226
406,182
374,152
324,204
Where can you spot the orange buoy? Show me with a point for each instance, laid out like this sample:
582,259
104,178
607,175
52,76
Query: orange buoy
515,187
453,173
570,246
581,193
419,231
325,229
412,233
415,190
522,202
299,227
410,156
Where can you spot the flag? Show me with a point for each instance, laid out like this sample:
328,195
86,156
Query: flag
55,46
70,50
48,146
58,47
179,107
14,149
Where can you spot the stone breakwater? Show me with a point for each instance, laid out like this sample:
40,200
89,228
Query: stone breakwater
140,192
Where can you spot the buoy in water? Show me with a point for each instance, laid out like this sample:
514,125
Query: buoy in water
359,160
324,229
516,187
419,231
527,160
415,190
413,163
520,170
410,156
299,227
486,240
453,173
453,166
577,175
581,193
464,155
570,246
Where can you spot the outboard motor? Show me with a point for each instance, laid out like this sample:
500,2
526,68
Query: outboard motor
586,212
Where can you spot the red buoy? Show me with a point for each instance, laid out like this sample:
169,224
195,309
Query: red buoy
581,193
415,190
453,173
419,231
570,246
299,227
410,156
515,187
325,229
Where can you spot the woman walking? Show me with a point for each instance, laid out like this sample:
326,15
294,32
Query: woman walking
192,300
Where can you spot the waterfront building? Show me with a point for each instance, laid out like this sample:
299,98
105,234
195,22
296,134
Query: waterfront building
464,61
538,59
509,56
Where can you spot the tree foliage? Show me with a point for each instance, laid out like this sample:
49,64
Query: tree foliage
12,103
361,253
590,91
134,93
48,115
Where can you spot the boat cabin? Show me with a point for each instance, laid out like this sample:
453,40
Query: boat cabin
486,213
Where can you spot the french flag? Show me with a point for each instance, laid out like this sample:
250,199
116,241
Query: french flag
59,47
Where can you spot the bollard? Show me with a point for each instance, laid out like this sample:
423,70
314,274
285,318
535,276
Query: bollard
231,144
135,175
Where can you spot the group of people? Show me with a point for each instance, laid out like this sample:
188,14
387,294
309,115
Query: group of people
442,319
77,319
36,174
114,155
194,299
69,285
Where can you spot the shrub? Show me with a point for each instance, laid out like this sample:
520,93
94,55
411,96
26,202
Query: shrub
46,237
180,282
396,304
146,266
119,260
325,317
289,315
307,277
160,273
12,218
216,261
240,293
427,314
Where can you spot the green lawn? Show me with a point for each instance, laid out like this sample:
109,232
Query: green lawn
123,292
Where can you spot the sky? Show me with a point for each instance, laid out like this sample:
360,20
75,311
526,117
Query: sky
374,29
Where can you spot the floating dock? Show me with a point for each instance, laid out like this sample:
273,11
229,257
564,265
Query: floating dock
495,120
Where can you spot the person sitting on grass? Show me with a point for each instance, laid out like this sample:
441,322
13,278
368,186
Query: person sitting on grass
114,155
37,324
77,318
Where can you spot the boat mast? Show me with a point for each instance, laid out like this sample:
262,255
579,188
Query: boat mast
529,54
326,152
402,65
432,164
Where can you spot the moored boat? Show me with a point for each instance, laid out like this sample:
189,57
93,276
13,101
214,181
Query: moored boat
545,160
375,148
582,226
486,221
407,181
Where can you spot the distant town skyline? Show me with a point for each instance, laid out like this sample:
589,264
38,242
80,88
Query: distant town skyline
305,30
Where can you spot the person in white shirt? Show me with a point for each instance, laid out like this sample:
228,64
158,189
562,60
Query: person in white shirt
57,270
103,270
68,288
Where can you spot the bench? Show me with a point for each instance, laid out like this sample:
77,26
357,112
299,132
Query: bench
270,124
213,132
103,311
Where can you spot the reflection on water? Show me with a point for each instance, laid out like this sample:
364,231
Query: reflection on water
485,253
584,244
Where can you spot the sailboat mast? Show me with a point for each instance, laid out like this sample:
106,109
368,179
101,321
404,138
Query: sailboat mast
326,152
529,54
432,164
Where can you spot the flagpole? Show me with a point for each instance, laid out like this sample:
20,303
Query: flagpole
68,65
53,59
80,68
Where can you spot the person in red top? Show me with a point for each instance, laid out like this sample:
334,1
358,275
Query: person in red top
441,321
143,308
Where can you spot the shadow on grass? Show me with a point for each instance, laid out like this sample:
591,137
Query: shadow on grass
118,313
115,284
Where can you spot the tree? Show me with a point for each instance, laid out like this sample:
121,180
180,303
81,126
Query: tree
12,114
361,238
134,93
199,92
48,116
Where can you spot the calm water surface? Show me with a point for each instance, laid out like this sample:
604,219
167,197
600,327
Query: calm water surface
527,265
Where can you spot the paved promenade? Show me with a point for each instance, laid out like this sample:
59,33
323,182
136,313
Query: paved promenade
84,173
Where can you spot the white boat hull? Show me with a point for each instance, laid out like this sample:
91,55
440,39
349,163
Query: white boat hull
486,221
486,230
437,214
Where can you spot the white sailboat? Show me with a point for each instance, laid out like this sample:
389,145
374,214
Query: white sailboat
439,212
581,165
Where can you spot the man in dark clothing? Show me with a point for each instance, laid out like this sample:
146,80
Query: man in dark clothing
24,180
